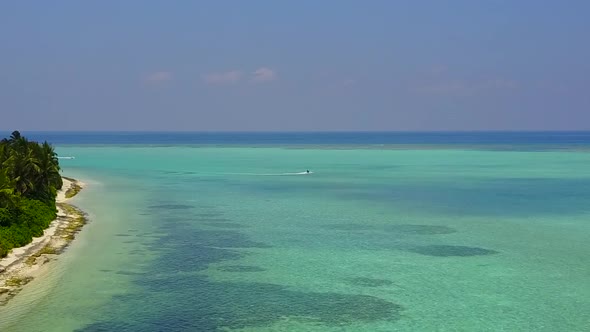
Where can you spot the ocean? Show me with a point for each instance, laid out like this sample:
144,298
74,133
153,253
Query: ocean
389,232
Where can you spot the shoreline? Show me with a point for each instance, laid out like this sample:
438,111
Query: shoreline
23,264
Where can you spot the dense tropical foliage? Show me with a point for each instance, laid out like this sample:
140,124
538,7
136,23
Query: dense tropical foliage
29,180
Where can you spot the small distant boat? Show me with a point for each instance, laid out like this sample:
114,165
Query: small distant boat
66,157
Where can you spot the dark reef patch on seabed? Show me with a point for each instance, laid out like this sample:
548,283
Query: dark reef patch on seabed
227,239
240,268
207,214
225,225
212,220
369,282
234,305
175,296
349,227
450,251
419,229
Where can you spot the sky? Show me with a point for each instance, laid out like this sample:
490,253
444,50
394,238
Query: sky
305,65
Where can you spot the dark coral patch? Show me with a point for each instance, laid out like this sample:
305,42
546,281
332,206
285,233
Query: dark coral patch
369,282
195,302
419,229
241,268
451,251
231,305
225,225
207,214
349,227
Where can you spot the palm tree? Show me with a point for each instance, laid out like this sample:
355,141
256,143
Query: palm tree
15,136
4,153
32,168
47,178
23,165
7,196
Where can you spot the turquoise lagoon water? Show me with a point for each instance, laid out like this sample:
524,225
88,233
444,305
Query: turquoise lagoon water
209,238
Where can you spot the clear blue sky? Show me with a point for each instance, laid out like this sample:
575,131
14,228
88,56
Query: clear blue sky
294,65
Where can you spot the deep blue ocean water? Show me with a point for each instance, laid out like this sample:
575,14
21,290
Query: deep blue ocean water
572,138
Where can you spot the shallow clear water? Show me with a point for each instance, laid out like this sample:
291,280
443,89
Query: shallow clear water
210,238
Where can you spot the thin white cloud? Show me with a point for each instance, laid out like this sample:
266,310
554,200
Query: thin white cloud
229,77
263,74
159,76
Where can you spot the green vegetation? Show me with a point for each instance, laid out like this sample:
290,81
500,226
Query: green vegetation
76,220
47,250
17,281
29,180
73,190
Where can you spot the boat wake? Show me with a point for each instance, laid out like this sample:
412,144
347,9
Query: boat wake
299,173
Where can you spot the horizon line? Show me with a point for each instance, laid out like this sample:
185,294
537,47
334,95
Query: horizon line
303,131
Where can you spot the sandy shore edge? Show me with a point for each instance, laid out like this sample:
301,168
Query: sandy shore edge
22,264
